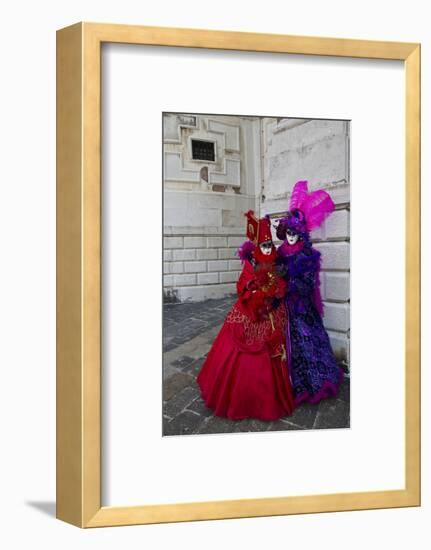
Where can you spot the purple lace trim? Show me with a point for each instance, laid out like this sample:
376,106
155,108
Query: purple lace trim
328,389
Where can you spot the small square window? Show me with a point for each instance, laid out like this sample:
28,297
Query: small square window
203,150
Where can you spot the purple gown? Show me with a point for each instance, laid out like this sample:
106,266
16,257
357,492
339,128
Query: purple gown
314,370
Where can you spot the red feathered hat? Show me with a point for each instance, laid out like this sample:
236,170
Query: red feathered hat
258,231
252,226
264,232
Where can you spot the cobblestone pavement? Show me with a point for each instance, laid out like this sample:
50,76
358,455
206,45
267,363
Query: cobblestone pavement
188,332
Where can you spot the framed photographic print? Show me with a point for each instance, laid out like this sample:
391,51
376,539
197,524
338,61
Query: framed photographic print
238,274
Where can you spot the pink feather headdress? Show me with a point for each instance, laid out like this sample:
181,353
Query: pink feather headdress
315,206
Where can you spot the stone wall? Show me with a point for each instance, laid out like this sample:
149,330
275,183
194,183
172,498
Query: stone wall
200,265
204,203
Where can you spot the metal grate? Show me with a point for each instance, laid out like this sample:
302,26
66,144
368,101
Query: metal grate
203,150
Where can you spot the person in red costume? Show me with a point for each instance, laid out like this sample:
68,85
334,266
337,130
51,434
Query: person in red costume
245,374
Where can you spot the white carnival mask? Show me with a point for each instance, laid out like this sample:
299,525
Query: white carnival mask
266,248
292,239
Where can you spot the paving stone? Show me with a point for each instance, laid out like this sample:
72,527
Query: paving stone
185,423
174,406
304,416
168,343
169,346
184,337
176,383
217,424
187,332
344,391
182,362
212,316
333,413
251,425
198,406
188,320
194,368
281,426
196,323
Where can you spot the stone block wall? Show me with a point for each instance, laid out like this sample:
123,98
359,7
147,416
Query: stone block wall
333,241
198,267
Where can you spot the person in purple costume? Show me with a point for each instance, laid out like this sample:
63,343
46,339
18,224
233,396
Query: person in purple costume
314,371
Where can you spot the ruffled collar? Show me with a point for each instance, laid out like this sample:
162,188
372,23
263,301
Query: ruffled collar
287,249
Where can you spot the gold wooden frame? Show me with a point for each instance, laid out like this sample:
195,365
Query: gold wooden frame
78,274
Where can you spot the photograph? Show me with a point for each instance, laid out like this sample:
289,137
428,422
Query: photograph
256,273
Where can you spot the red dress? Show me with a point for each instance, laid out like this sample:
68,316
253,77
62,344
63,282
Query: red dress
246,374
